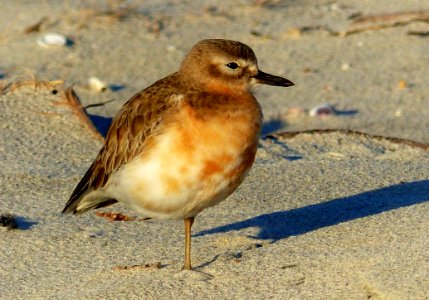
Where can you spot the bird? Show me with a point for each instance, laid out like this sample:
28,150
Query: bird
183,144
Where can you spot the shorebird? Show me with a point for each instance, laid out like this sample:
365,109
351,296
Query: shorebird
183,144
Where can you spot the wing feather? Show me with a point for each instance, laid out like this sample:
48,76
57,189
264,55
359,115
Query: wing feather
125,140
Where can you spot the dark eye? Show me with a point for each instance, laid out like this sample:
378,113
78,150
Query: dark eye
232,65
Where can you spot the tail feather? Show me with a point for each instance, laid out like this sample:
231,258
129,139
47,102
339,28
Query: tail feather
85,198
92,200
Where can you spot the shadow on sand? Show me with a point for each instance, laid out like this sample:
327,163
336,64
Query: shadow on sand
102,124
282,224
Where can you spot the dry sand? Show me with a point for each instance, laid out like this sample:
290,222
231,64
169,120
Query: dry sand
322,215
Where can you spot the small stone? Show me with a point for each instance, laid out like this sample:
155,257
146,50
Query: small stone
8,221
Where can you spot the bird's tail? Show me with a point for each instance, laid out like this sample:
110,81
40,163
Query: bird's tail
85,198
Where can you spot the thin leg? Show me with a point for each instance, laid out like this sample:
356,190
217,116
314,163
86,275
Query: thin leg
188,226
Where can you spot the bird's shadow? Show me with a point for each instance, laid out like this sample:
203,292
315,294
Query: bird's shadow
282,224
100,123
272,125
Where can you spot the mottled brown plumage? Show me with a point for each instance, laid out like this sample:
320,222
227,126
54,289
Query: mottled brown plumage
126,137
183,144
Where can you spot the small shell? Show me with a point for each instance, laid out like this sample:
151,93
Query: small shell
52,39
322,110
97,85
345,66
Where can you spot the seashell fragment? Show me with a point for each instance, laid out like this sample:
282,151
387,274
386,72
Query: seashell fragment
52,39
97,85
322,110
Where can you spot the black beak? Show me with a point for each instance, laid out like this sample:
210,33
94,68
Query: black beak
265,78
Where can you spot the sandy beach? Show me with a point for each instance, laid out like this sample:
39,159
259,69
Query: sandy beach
335,207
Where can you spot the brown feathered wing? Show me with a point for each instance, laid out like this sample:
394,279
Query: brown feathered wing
125,140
